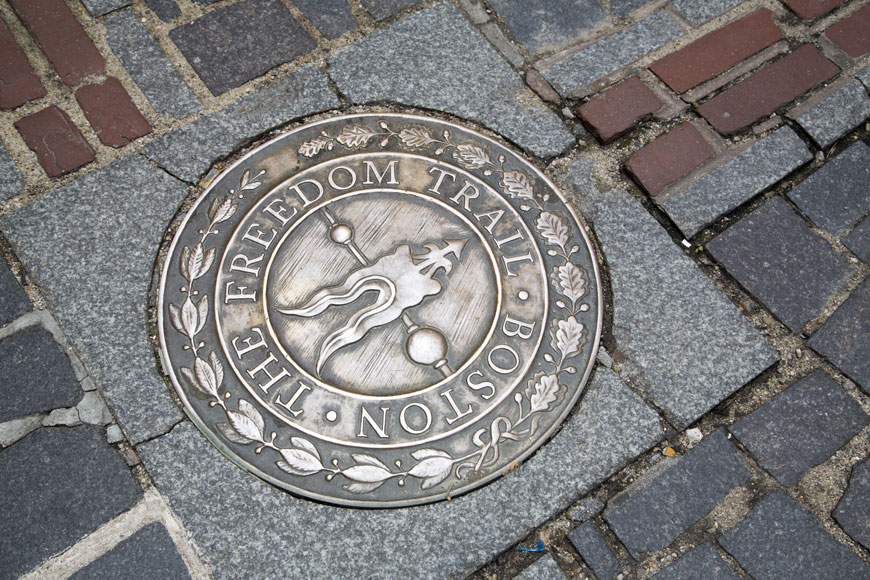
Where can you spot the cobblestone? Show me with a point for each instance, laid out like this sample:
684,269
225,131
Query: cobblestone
621,8
331,17
102,7
20,84
859,240
150,552
852,509
845,338
11,180
668,158
702,562
544,568
837,115
619,109
13,301
57,142
166,10
594,550
383,9
809,9
852,34
864,76
111,112
547,25
700,11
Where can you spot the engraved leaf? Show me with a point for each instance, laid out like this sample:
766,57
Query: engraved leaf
367,473
231,434
471,156
254,415
207,261
433,470
244,426
516,184
306,445
299,462
571,281
194,262
353,137
546,391
569,336
365,459
223,211
552,228
246,177
424,453
202,313
185,256
205,377
362,487
191,378
176,320
313,147
217,367
416,137
189,317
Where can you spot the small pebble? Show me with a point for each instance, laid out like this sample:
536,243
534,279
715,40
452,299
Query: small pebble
695,435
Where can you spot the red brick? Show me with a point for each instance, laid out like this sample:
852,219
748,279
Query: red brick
809,9
112,113
18,84
718,51
768,89
852,34
58,143
668,158
61,37
618,109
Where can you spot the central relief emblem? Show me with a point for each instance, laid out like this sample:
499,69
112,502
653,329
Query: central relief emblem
379,310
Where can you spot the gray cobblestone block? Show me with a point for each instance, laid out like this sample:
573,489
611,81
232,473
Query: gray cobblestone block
611,427
702,562
595,552
780,540
100,7
650,515
858,241
381,9
835,196
837,115
794,272
13,301
91,246
700,11
737,181
801,427
147,64
544,568
331,17
547,25
611,53
166,10
844,339
11,180
864,76
35,375
620,8
447,65
189,152
149,554
852,509
57,485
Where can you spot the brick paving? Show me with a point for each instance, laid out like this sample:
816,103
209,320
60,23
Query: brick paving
740,125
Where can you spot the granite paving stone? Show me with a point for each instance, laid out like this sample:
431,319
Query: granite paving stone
737,181
780,540
100,296
550,25
147,64
610,428
101,7
669,157
801,427
57,485
36,374
13,301
701,562
446,65
619,109
589,543
864,76
858,241
544,568
844,339
18,82
809,9
835,197
620,8
852,509
226,47
852,33
649,516
188,152
837,115
57,142
700,11
149,552
11,180
610,53
331,17
111,112
794,273
166,10
381,9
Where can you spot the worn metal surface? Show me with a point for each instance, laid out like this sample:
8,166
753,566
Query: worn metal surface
379,310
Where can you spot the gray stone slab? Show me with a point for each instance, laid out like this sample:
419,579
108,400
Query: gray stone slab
612,52
447,65
837,115
166,10
57,485
845,338
858,241
13,301
782,262
801,427
35,375
589,543
381,9
685,343
864,76
188,152
331,17
836,196
11,180
548,25
852,509
91,246
700,11
650,514
780,540
147,64
149,554
620,8
702,562
100,7
544,568
737,181
611,427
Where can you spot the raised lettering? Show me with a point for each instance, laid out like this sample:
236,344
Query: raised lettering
280,213
306,201
467,192
263,368
381,429
349,171
249,347
508,261
370,168
289,404
502,241
258,237
498,368
426,413
442,174
240,295
481,385
234,267
493,217
459,414
518,328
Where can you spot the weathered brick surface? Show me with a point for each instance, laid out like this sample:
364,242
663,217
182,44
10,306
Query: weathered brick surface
668,158
768,89
809,9
619,108
718,51
57,142
852,34
61,38
112,113
18,83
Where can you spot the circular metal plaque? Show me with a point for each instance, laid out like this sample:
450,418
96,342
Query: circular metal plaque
379,310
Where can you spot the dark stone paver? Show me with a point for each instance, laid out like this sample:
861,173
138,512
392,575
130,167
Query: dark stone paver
809,9
57,142
801,427
837,115
702,562
111,112
619,109
149,554
549,25
669,157
650,516
544,568
852,34
858,241
835,196
596,553
20,84
101,7
35,375
13,301
381,9
166,10
845,338
11,180
447,65
852,509
331,17
794,272
57,485
780,540
699,11
235,44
